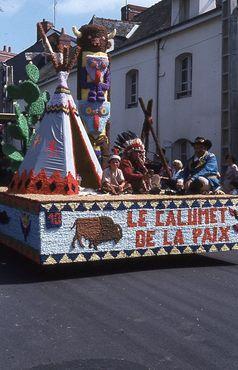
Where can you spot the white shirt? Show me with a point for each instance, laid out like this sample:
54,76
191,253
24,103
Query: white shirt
115,178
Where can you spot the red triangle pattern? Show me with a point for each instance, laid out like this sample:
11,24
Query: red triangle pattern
42,184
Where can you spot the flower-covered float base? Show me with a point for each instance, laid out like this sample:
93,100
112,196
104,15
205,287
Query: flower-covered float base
56,229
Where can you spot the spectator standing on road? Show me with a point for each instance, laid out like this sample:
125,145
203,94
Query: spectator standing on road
230,178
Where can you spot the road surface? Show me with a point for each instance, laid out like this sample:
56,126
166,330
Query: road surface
178,312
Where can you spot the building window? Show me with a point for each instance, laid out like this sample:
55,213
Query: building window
184,9
183,76
181,150
132,88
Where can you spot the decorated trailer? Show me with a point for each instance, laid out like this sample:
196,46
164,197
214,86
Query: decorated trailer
43,213
57,229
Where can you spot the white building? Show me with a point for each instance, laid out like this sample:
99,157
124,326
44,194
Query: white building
180,56
181,53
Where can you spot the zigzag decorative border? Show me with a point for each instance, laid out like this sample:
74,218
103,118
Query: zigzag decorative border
114,255
53,259
59,108
129,205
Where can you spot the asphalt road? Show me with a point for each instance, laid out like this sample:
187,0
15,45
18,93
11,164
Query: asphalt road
178,312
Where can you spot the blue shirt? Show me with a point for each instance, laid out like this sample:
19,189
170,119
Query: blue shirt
205,166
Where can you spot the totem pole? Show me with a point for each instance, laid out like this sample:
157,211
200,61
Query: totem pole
94,86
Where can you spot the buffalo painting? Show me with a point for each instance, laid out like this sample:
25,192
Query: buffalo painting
96,230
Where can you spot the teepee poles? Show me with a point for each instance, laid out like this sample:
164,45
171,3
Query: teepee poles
147,128
67,62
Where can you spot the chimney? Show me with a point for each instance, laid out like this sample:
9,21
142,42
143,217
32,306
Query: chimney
64,40
5,48
129,11
46,27
9,49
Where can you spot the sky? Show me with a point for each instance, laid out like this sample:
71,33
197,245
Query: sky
18,18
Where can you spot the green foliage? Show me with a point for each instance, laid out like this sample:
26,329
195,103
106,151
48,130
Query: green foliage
14,132
37,108
32,72
12,153
45,96
14,92
23,128
32,120
17,109
30,91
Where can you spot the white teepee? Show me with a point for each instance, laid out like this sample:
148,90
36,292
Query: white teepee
60,151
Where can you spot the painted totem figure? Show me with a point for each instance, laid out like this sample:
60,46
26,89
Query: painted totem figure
94,86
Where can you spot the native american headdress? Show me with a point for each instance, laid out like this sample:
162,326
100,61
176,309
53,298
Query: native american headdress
128,141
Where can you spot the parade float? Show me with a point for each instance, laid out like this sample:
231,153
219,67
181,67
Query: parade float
45,216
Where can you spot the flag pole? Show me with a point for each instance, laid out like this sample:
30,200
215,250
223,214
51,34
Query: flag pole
54,11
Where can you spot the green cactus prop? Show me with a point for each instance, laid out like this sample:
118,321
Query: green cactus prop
23,128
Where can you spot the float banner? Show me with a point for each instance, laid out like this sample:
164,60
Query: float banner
80,231
197,226
90,230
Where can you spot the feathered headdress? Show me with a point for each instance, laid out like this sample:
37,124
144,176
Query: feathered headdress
129,141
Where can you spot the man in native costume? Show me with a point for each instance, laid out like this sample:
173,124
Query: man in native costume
133,161
201,173
61,151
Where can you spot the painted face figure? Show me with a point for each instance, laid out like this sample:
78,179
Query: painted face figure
96,68
95,116
93,38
